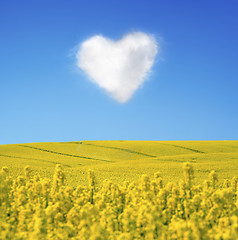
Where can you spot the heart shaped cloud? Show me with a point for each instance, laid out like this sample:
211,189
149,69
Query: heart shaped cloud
118,67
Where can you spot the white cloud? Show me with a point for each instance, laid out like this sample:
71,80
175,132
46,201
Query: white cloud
118,67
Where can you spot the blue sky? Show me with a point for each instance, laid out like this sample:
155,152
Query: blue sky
191,93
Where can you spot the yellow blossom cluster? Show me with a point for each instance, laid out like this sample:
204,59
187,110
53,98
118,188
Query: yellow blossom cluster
35,208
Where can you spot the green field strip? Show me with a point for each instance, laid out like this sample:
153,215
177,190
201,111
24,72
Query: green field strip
36,159
64,154
190,149
115,148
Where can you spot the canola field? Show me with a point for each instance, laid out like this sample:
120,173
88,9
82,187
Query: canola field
32,207
121,161
122,190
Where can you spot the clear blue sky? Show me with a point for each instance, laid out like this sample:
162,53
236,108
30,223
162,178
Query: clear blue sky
192,93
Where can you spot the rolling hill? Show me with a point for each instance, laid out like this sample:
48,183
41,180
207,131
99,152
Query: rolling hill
122,160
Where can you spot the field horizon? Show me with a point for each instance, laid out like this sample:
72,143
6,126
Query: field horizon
122,160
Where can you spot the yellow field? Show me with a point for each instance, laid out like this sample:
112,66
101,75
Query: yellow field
32,207
122,160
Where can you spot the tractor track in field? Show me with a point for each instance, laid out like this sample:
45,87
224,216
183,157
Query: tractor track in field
233,146
115,148
36,159
176,160
64,154
190,149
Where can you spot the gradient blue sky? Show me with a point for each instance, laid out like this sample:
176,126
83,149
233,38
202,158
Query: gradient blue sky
191,94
